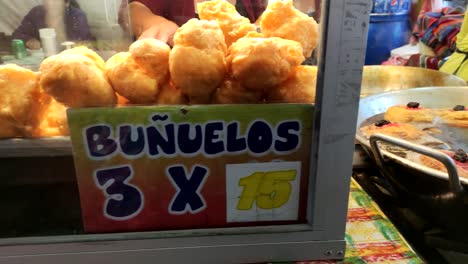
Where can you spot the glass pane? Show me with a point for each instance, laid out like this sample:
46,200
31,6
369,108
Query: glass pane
98,58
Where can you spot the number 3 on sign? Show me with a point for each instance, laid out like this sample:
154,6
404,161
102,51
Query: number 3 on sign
269,190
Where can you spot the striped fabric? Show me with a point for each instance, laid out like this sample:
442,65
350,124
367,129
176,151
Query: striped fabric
439,30
370,236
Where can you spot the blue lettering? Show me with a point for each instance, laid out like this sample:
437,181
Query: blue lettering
187,144
260,137
188,189
156,141
213,147
235,144
99,142
127,144
124,201
291,140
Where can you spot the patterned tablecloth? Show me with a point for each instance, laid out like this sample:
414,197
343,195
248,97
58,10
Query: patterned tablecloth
370,236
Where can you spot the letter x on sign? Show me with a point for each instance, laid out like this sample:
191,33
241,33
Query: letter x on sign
188,197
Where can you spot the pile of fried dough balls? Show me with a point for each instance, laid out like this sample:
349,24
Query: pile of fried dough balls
219,59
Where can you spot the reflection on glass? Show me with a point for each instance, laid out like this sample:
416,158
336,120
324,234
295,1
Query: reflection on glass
49,26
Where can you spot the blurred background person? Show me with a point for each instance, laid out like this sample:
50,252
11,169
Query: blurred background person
161,18
65,16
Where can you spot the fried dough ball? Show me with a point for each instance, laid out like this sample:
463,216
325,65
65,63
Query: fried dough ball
403,114
197,62
88,53
130,80
54,121
170,95
234,25
76,80
231,92
262,63
299,88
281,19
201,34
22,102
153,56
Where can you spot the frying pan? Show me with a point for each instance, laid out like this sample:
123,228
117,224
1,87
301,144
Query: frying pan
440,197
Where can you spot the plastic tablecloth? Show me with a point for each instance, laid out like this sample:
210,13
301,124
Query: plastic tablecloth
370,236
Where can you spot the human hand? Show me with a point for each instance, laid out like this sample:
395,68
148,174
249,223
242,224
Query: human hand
33,44
162,29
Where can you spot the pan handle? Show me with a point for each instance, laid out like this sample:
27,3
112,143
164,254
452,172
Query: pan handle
454,180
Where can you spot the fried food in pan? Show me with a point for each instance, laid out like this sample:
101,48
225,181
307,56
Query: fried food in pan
457,116
412,112
459,157
403,131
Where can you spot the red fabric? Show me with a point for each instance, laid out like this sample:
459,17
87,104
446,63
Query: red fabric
255,9
179,11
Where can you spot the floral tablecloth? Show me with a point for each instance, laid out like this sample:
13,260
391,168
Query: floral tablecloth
370,236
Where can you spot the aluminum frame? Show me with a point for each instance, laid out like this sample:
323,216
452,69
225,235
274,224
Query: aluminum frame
342,51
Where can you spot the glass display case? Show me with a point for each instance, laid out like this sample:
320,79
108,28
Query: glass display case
223,139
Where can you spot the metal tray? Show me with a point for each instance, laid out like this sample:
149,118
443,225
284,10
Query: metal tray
433,97
42,147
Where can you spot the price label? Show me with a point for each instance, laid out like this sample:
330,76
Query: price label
263,191
161,168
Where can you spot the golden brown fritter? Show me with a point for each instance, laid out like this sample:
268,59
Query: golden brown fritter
403,114
130,80
201,34
234,25
153,56
454,118
22,103
170,95
53,122
299,88
281,19
197,62
262,63
88,53
231,92
76,80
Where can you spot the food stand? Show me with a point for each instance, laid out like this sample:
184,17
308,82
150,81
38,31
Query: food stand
255,182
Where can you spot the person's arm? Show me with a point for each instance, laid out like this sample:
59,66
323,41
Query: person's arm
27,30
145,24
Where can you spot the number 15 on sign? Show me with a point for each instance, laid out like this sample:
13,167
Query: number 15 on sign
263,191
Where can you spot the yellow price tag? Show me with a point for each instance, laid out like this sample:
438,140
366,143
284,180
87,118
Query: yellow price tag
269,190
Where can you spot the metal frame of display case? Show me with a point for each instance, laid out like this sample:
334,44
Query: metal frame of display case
344,33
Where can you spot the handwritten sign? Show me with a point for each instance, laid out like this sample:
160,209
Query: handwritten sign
161,168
